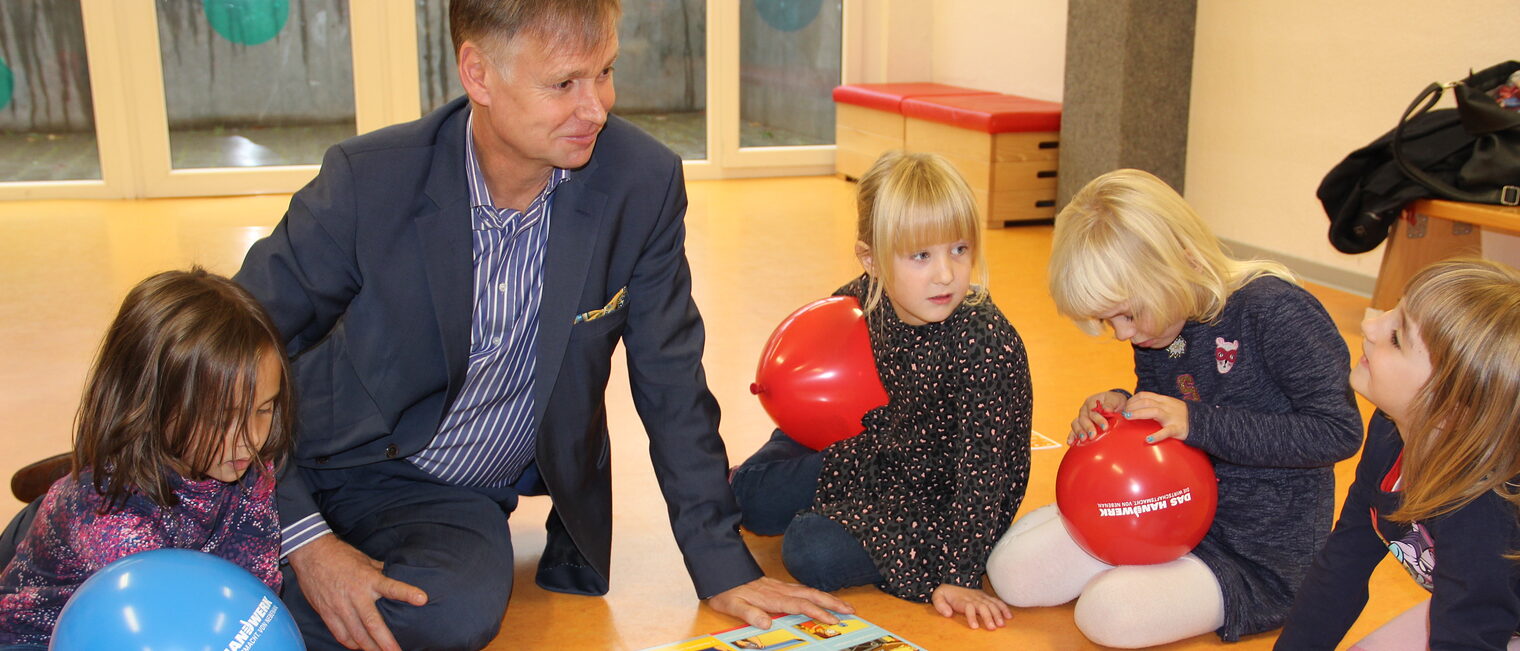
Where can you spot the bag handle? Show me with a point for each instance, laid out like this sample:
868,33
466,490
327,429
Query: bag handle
1508,195
1429,96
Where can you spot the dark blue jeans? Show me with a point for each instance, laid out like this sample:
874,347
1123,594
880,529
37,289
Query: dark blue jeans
773,487
15,532
453,542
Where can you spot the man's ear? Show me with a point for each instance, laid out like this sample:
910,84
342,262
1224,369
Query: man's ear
474,67
863,253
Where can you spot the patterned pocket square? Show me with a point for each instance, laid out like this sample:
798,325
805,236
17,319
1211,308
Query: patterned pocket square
618,301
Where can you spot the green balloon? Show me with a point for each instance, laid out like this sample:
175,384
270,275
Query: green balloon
249,22
7,83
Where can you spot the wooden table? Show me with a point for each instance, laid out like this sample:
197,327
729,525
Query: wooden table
1432,230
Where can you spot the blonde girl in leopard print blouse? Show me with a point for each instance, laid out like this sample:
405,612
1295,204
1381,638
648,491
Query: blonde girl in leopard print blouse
914,503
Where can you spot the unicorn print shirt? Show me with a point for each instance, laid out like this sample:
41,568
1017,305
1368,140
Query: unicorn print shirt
1458,556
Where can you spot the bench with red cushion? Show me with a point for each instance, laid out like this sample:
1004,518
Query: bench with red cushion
888,97
986,113
1006,146
868,122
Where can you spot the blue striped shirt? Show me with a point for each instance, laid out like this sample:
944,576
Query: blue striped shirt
487,436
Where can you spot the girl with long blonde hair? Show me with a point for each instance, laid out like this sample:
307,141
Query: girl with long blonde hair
1231,357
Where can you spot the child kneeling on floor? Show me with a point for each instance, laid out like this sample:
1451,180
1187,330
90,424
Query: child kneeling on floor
1231,357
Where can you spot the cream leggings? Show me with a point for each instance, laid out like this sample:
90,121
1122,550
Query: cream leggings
1128,606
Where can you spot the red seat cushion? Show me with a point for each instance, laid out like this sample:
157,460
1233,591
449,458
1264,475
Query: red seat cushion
887,97
987,113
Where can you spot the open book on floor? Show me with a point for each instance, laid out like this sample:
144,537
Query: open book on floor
798,632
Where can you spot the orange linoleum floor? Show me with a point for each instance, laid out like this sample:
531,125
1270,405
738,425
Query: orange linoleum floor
758,249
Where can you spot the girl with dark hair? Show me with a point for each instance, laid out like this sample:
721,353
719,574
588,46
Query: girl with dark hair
189,393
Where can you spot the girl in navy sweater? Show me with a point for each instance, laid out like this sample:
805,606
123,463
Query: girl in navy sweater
1232,357
1436,485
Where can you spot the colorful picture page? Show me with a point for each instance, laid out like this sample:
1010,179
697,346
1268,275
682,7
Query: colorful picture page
799,632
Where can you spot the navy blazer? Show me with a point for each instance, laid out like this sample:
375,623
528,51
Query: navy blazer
369,278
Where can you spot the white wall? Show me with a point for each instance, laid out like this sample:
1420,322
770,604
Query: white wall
1284,89
896,42
1007,46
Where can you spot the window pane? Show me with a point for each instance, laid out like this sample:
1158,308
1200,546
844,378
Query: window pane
789,53
436,71
661,73
47,114
251,83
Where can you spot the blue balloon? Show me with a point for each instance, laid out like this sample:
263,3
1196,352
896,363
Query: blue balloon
175,600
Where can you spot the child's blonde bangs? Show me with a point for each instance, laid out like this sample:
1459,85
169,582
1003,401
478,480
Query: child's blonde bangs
1127,236
921,201
1094,269
1085,284
926,224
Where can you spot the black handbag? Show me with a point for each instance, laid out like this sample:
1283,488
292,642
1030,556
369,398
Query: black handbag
1492,171
1470,153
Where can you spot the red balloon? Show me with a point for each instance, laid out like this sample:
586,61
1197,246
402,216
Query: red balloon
817,376
1128,502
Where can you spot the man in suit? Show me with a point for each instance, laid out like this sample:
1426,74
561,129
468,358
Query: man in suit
451,291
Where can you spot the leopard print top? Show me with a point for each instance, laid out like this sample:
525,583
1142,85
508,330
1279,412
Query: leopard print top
939,471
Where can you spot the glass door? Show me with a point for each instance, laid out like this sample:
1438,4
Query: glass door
195,97
238,96
255,83
789,64
47,106
784,58
661,71
148,98
735,88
